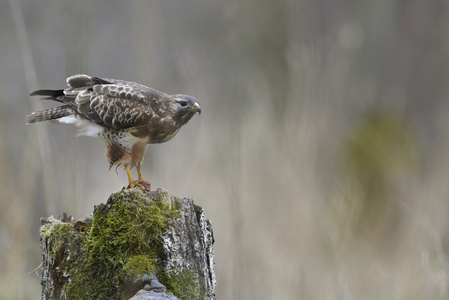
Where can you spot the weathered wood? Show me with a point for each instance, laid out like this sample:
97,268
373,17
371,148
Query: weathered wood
118,252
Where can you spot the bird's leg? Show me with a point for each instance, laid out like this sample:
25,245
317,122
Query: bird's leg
140,174
144,185
130,177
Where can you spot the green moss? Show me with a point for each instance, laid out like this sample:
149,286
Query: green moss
58,235
138,265
184,285
62,244
123,236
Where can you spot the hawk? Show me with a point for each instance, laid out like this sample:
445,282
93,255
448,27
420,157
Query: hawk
127,115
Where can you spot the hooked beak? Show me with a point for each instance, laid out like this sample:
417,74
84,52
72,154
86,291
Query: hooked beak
197,108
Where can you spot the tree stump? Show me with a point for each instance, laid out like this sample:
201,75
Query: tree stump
139,245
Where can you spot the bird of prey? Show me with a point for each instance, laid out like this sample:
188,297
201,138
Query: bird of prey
127,115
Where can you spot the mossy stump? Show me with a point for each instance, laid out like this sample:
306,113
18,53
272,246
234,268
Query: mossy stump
139,245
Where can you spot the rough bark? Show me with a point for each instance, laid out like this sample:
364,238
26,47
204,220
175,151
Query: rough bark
132,239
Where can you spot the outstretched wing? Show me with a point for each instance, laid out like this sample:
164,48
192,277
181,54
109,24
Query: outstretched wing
113,103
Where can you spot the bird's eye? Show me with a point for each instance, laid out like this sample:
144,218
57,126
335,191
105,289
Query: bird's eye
183,103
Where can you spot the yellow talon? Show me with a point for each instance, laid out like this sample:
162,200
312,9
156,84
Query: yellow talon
133,183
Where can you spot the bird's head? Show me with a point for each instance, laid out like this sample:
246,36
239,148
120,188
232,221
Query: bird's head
185,107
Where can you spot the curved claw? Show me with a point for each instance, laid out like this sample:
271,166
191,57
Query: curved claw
144,185
134,184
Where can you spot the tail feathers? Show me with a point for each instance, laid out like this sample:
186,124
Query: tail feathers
51,94
49,114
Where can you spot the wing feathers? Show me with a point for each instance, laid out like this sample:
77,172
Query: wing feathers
109,103
82,80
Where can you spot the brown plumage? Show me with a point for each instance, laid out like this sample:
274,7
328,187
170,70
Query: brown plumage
128,115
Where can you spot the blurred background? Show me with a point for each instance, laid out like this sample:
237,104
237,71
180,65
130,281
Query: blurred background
321,156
